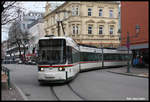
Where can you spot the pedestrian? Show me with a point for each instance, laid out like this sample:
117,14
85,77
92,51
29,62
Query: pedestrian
136,61
141,61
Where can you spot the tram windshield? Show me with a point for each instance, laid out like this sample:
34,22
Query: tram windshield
52,51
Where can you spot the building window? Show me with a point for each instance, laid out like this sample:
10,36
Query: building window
65,15
100,29
100,12
73,29
24,26
89,12
111,13
75,11
90,29
111,30
77,29
137,28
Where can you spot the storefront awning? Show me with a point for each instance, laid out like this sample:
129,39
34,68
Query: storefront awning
134,47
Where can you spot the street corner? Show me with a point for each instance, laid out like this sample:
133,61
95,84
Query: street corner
143,75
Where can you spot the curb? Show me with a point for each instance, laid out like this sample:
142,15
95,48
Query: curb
20,91
129,74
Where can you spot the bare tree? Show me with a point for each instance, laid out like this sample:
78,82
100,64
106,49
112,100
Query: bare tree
9,11
18,37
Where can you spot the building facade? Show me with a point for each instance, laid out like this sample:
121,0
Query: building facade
3,49
135,21
30,17
37,31
92,23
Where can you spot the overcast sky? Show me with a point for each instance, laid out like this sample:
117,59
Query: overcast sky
29,6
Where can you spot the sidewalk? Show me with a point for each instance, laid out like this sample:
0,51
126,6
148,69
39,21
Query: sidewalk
10,93
134,71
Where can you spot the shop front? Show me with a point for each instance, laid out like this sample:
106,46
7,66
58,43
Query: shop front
140,54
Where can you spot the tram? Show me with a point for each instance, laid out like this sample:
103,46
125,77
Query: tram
60,59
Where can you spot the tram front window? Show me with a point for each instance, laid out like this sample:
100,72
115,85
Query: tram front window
52,51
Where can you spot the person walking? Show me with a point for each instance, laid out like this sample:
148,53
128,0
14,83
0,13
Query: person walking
141,61
136,61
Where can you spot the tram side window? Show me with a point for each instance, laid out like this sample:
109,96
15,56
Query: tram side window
121,57
107,57
125,57
69,54
128,57
75,56
118,57
88,56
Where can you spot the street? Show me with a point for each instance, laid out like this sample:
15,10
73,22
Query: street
91,85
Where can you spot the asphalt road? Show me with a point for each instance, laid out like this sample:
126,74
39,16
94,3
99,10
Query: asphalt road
92,85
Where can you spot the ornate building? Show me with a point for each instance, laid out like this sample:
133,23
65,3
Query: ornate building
93,23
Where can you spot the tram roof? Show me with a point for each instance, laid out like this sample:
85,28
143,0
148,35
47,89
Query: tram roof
54,37
86,48
115,51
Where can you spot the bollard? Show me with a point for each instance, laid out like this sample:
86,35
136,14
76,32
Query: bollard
8,79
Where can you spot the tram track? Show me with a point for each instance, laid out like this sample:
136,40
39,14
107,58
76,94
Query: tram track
54,93
72,95
76,92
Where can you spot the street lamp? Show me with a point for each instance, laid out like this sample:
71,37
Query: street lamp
101,46
128,46
137,28
128,43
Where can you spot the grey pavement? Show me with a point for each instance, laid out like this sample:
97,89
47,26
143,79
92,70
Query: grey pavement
14,93
134,71
11,93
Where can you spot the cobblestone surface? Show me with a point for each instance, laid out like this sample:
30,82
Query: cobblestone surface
10,93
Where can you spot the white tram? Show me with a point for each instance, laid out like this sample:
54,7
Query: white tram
60,59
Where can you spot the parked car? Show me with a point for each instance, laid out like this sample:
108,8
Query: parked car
20,62
31,62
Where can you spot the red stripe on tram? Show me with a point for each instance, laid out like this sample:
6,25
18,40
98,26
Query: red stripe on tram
70,65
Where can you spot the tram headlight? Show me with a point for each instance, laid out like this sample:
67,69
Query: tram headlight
40,69
61,69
